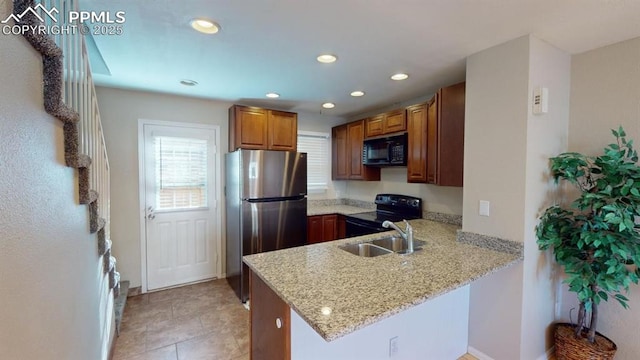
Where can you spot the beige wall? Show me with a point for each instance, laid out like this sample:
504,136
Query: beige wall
547,136
54,300
506,162
495,155
442,199
605,93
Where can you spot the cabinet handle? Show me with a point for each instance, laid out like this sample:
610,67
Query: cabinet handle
278,323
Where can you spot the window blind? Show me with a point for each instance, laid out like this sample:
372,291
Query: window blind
181,173
316,145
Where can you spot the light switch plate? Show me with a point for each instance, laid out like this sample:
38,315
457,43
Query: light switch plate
483,208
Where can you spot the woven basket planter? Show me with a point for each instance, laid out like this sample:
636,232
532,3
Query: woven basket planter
568,347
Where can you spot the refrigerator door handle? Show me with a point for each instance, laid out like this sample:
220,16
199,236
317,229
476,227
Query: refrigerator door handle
255,229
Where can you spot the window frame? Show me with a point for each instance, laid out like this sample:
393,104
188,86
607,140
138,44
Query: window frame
323,187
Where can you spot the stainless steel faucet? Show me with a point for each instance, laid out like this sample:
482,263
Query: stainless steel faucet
407,234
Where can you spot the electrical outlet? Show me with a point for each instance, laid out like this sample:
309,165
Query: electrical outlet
393,346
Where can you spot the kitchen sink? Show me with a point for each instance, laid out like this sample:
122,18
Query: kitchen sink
365,249
382,246
397,243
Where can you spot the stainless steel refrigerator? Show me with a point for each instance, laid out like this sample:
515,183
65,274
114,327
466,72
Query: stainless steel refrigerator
266,203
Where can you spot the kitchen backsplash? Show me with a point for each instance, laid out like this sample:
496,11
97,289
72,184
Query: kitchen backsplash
435,216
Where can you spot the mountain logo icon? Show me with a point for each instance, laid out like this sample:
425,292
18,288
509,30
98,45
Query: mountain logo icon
18,18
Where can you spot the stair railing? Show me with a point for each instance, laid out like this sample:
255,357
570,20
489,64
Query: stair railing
80,95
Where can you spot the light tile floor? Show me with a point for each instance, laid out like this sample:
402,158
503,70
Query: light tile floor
201,321
204,321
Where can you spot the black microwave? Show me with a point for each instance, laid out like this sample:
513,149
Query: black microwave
385,151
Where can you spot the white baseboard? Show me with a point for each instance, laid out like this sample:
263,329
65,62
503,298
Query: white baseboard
479,354
482,356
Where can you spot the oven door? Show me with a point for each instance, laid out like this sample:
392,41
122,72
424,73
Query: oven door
357,227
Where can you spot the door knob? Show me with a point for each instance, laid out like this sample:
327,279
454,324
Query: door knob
278,323
150,214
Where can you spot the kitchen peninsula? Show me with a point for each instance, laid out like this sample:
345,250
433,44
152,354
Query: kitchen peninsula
342,306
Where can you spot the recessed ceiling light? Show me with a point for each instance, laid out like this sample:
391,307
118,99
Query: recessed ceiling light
272,95
327,58
205,26
187,82
357,93
399,76
328,105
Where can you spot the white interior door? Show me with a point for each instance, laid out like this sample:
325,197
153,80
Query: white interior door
181,208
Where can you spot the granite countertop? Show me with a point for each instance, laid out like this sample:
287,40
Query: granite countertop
357,291
335,209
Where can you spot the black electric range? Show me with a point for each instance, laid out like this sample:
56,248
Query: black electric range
392,207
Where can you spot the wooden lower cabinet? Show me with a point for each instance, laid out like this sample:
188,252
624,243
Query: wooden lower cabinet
322,228
342,227
270,323
314,229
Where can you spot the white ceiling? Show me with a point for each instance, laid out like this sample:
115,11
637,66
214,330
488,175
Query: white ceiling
271,45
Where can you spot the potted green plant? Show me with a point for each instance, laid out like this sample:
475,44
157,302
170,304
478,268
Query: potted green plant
594,239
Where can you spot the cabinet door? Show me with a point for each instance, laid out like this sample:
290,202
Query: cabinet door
314,229
374,126
432,139
270,323
342,227
417,143
395,121
450,166
339,153
355,137
347,153
283,130
329,227
247,128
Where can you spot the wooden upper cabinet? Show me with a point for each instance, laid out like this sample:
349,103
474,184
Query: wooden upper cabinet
435,147
355,138
445,136
417,143
374,126
339,153
395,121
262,129
247,128
432,139
347,145
387,123
450,166
283,130
270,323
